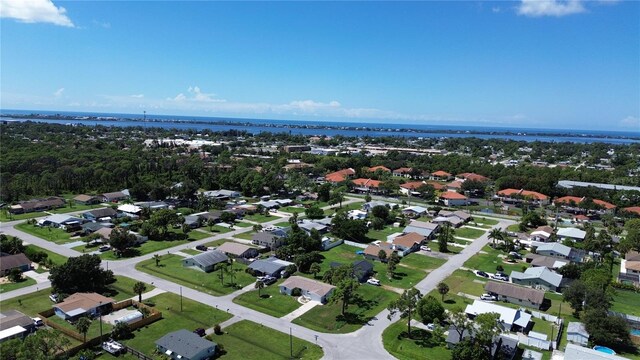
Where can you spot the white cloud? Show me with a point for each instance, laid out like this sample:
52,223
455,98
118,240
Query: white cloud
496,9
198,95
631,122
35,11
58,93
137,96
558,8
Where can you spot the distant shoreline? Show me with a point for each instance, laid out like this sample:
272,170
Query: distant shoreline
284,126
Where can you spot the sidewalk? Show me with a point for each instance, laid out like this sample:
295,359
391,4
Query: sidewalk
300,311
149,294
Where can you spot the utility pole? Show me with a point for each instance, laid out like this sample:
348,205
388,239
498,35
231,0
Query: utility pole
180,298
291,341
100,312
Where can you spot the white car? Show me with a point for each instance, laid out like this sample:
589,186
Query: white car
425,248
373,281
487,297
37,321
53,297
431,326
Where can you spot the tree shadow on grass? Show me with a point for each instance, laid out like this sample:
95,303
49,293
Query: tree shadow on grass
420,337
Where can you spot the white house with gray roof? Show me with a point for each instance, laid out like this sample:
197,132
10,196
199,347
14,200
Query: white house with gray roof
426,229
538,278
205,261
511,319
560,251
577,333
312,289
571,233
185,345
271,266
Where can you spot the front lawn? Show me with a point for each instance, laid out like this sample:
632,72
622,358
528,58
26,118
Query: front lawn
271,301
420,346
422,261
48,233
217,229
10,286
260,218
171,269
75,208
468,233
293,209
145,248
192,315
327,318
488,262
485,221
243,224
192,235
123,288
248,340
56,258
513,228
29,304
4,216
191,251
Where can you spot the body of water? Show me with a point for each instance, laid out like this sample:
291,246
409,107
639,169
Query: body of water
331,128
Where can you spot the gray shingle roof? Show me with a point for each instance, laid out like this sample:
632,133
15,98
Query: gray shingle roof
184,343
209,258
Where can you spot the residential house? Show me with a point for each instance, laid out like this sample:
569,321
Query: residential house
17,261
630,268
210,217
83,199
538,278
62,221
296,148
574,234
577,333
185,345
561,251
542,233
503,347
371,252
221,194
114,196
104,233
632,210
368,206
516,196
130,210
14,324
510,319
452,198
340,176
451,220
440,175
574,204
403,171
237,250
426,229
379,167
308,226
362,269
407,243
205,261
192,221
271,266
455,185
472,177
153,205
515,294
312,289
267,240
356,214
437,186
551,263
91,227
368,186
576,352
83,304
103,214
37,205
415,211
411,188
462,215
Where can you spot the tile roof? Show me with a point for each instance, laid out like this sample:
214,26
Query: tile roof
379,167
367,182
340,175
441,173
412,185
403,170
473,177
523,193
452,195
633,209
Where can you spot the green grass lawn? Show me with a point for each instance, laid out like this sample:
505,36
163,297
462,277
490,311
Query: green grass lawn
29,304
94,329
626,302
283,224
75,208
123,288
171,269
382,234
347,207
488,262
217,229
420,346
514,227
191,251
6,287
4,216
57,259
55,235
293,209
259,218
146,248
192,235
243,224
193,315
485,220
271,301
422,261
248,340
217,243
469,233
327,318
246,235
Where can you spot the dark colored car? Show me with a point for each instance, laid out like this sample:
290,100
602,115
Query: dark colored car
200,332
482,273
201,248
268,280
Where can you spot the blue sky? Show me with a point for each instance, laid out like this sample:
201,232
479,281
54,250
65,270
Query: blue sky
532,63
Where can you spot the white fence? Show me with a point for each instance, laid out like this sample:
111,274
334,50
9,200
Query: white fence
352,243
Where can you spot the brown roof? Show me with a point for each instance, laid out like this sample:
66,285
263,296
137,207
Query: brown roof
367,182
379,167
408,240
312,286
412,185
41,203
452,195
340,175
83,197
373,250
104,233
11,318
441,173
403,170
12,261
473,177
515,291
84,301
633,265
630,256
233,248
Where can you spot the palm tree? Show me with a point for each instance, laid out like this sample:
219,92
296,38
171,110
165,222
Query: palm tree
139,288
496,234
443,289
259,285
315,269
82,325
156,257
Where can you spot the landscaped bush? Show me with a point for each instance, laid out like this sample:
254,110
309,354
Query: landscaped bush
217,329
296,292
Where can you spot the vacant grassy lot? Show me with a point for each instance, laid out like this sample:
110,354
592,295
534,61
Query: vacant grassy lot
10,286
193,315
485,221
260,218
248,340
57,259
216,229
327,318
123,288
420,346
75,208
4,216
243,224
489,261
171,269
55,235
271,302
146,248
469,233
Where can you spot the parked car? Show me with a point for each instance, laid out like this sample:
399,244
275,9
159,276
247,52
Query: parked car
201,248
431,326
37,321
501,277
488,297
425,248
373,281
515,255
268,280
200,332
481,274
104,248
54,298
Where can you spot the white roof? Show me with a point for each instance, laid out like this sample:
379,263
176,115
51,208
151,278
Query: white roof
573,233
555,247
508,316
541,233
575,352
11,331
60,218
129,208
417,209
540,272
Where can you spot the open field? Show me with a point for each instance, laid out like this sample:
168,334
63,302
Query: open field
146,248
52,234
469,233
4,216
271,301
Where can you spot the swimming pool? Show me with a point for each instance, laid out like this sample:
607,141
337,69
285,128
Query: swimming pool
604,349
635,332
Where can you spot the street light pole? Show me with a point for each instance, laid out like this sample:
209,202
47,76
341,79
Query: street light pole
100,312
